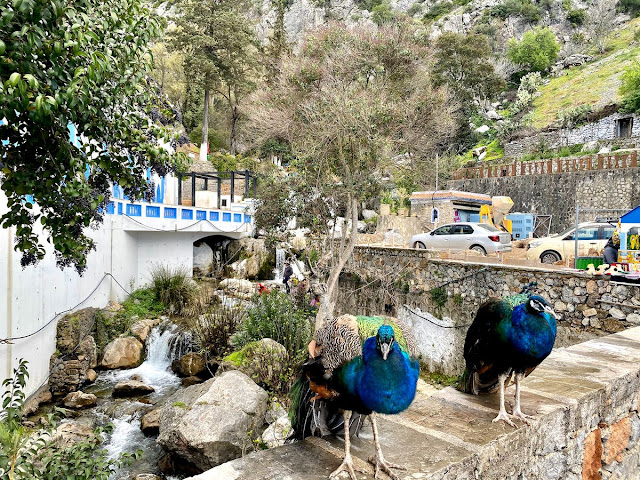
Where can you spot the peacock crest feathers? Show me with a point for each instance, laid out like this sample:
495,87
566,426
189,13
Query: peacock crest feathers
341,338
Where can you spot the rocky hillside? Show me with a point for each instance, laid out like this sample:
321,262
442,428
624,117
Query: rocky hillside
498,19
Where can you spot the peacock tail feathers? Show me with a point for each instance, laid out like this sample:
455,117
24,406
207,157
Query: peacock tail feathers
341,339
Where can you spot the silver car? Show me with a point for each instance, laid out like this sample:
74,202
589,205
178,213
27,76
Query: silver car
480,237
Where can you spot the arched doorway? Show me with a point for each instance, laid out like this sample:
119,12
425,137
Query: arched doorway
210,255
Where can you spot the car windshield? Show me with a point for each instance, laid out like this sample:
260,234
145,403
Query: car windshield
487,227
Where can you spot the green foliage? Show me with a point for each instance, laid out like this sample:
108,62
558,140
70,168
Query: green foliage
277,147
173,287
414,9
83,63
216,138
463,63
26,455
537,50
439,296
181,405
382,13
631,7
574,117
438,9
367,4
213,330
437,379
577,16
273,315
630,89
518,8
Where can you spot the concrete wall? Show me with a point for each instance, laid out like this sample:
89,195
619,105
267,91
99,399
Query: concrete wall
559,194
603,131
589,306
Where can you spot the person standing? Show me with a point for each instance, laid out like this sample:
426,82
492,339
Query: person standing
610,253
286,275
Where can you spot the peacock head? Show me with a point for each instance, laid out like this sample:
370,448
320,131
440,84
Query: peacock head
385,340
537,304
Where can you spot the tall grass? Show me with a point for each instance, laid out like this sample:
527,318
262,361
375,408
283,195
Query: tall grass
173,287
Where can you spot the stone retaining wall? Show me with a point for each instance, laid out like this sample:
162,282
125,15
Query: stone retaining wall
405,279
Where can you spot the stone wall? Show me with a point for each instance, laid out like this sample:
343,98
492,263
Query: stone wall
559,194
603,131
404,280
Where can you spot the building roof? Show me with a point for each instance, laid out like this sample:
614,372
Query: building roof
453,195
631,217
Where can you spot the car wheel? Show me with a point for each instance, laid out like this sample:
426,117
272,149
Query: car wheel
479,249
549,257
420,245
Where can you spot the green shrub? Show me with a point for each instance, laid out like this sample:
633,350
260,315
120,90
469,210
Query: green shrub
381,14
213,330
577,17
438,10
29,455
630,89
537,50
273,315
517,8
173,287
631,7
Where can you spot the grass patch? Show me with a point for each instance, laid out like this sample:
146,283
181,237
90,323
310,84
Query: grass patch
589,83
437,379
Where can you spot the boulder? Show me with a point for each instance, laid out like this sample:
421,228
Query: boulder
132,388
141,329
202,259
493,115
575,60
91,375
80,400
482,129
274,412
147,476
237,286
124,352
264,361
69,374
189,365
369,214
42,395
69,433
188,381
276,434
211,423
150,422
73,328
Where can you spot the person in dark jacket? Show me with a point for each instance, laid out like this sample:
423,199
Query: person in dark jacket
611,248
286,275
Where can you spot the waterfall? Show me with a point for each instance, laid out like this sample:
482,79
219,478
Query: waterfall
279,264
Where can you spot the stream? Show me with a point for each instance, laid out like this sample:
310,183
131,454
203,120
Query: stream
164,345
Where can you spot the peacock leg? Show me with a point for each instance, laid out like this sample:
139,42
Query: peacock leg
517,413
347,463
378,461
503,415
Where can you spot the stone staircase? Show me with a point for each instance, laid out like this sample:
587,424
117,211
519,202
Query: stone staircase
584,398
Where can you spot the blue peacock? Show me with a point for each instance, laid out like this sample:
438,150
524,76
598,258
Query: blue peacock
359,366
509,337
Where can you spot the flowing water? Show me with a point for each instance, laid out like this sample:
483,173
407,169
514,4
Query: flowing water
164,345
280,254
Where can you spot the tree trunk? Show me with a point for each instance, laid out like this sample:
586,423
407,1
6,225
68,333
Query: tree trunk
328,303
233,136
204,148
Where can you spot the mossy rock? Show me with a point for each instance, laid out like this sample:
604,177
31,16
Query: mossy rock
73,327
265,361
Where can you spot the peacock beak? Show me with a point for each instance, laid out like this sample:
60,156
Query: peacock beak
384,348
550,311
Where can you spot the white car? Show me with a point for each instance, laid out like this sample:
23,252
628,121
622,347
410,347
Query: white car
480,237
592,237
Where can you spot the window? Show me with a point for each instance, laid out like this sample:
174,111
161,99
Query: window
442,230
607,232
624,126
585,233
489,228
467,230
224,202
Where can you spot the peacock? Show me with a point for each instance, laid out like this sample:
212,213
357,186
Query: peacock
509,337
358,366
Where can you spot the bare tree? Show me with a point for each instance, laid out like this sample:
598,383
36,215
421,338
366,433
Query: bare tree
347,103
601,22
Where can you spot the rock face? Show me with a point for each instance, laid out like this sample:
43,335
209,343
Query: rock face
68,434
141,329
125,352
42,395
276,433
252,258
209,424
132,388
80,400
238,287
202,259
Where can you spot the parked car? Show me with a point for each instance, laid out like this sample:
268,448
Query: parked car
481,237
592,237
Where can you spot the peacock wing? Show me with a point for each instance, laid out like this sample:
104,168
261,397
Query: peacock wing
483,341
339,341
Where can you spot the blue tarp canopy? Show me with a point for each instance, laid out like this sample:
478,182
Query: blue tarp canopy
631,217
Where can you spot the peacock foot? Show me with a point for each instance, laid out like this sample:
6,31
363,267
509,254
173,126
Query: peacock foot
381,464
522,416
503,415
346,466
